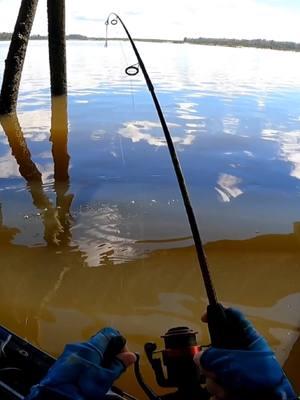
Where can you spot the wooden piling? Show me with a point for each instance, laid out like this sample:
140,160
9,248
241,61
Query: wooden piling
57,46
16,56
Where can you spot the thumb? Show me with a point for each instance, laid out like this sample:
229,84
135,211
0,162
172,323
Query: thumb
127,358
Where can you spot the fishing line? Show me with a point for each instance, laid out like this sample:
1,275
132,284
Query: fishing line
130,76
133,70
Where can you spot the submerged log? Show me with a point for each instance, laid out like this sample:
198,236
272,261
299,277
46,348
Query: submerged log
57,46
16,56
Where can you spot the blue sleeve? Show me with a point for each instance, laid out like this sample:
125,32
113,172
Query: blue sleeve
78,374
250,373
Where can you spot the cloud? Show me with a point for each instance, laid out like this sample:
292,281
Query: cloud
173,18
89,19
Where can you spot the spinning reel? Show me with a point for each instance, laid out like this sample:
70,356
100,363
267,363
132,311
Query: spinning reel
175,368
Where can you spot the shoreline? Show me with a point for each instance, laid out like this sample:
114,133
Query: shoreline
233,43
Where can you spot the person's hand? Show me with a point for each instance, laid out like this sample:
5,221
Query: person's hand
249,373
79,373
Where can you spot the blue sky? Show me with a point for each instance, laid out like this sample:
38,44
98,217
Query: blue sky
269,19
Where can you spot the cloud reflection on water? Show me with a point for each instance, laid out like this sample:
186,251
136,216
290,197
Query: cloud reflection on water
138,130
194,84
8,167
228,187
289,147
205,70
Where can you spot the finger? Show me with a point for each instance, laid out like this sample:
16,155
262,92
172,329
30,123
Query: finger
117,367
125,349
103,337
127,358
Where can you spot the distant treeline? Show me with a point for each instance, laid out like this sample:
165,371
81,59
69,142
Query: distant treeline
7,36
75,36
257,43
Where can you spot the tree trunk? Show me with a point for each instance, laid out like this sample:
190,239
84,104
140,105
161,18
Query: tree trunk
16,56
57,46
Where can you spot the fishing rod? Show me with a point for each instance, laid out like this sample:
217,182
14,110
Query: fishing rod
180,343
133,70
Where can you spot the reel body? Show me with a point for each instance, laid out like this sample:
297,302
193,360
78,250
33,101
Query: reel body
176,368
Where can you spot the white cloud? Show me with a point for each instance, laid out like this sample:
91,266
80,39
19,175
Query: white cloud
173,19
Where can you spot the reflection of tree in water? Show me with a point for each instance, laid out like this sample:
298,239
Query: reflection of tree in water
23,269
6,234
55,219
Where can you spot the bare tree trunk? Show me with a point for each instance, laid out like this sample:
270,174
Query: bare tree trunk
16,56
57,46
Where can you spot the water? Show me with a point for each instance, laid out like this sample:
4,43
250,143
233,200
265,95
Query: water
93,230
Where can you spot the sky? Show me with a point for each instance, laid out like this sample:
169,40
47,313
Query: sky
173,19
